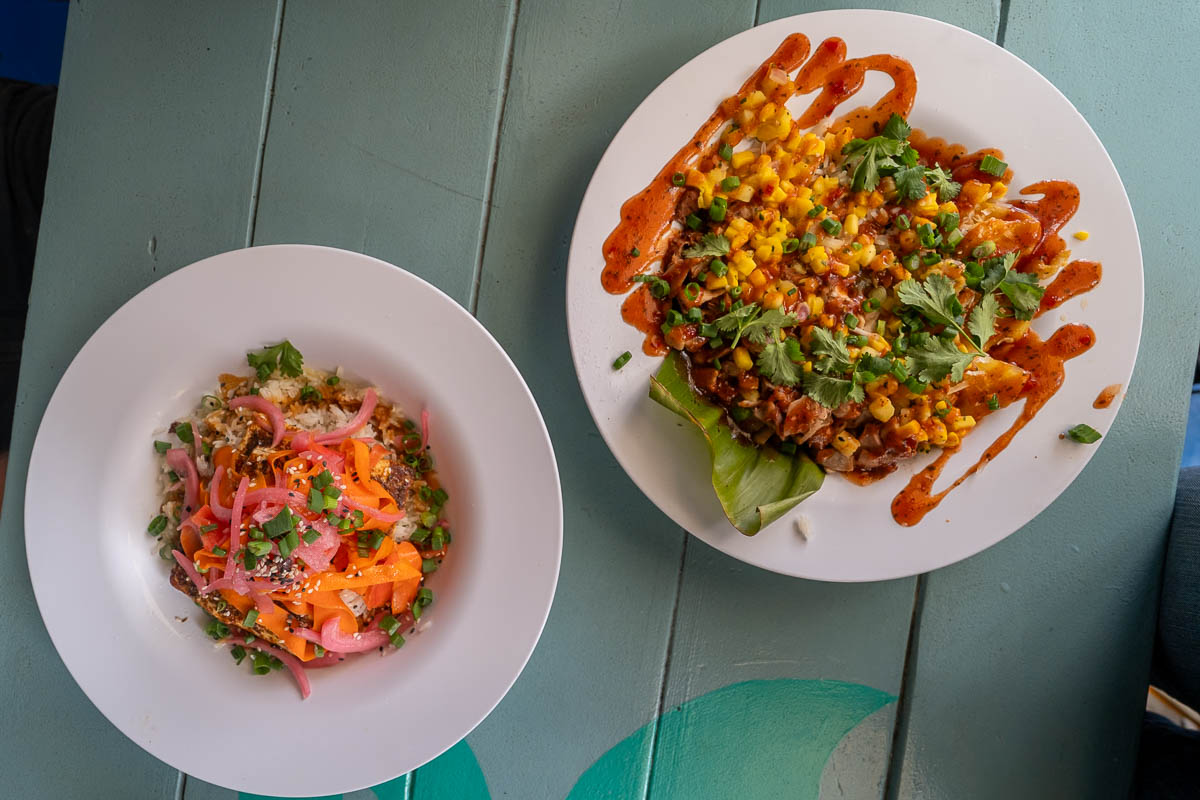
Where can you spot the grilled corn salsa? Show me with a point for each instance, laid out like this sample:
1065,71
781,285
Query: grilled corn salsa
842,295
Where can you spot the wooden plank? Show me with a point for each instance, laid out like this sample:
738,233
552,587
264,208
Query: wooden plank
151,169
382,132
578,71
737,623
1034,655
978,16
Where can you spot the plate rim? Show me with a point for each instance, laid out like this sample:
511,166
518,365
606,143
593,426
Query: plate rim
76,666
785,22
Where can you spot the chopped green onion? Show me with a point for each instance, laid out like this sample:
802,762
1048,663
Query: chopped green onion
333,380
310,536
635,252
816,210
438,540
694,314
807,240
259,548
929,259
831,226
850,320
377,540
994,402
280,524
322,479
429,565
953,238
725,151
735,292
716,211
161,447
318,651
915,386
691,291
183,431
424,595
440,497
902,222
693,222
251,618
718,267
1084,434
238,652
674,318
173,475
316,500
993,166
389,624
984,249
420,535
791,245
216,630
622,359
157,525
679,179
260,663
870,304
397,640
219,551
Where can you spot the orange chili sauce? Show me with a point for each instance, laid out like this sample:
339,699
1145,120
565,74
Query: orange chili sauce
1106,396
646,217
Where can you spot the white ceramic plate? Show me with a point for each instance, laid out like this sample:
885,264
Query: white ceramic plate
91,493
969,91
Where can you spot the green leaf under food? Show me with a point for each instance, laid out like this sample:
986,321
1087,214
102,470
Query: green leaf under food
755,486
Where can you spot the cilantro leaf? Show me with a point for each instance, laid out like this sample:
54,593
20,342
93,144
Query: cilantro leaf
736,321
765,329
776,366
910,183
710,245
866,157
1023,291
896,127
831,392
936,358
283,355
983,319
935,298
996,270
833,346
941,182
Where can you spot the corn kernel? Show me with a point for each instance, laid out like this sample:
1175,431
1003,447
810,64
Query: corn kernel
922,413
998,189
874,199
754,100
715,283
948,208
953,440
807,366
941,405
841,269
850,225
882,409
741,358
845,443
816,304
908,429
927,204
828,321
757,278
1082,235
975,192
741,159
964,423
937,432
773,299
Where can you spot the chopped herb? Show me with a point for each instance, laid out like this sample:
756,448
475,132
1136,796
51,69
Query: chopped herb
259,548
219,551
183,431
994,402
1084,434
157,525
635,252
831,392
831,226
725,152
622,359
710,244
216,630
679,179
940,181
251,618
992,166
429,565
161,447
280,524
816,210
260,664
283,356
693,222
310,536
902,222
238,652
309,393
731,183
333,380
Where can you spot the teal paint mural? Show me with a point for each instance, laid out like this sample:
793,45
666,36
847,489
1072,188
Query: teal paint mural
755,740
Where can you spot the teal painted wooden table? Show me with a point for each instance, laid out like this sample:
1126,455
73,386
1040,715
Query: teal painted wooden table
455,139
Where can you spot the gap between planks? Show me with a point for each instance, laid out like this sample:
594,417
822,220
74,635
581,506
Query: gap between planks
660,705
485,213
908,676
265,124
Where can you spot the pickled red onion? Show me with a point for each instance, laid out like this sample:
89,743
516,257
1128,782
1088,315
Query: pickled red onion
189,568
262,404
235,524
214,495
360,419
290,661
179,460
333,640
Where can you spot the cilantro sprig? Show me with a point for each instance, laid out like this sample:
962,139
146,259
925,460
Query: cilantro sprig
868,160
754,324
934,357
710,244
283,356
1021,288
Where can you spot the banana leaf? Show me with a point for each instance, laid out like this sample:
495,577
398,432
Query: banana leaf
755,486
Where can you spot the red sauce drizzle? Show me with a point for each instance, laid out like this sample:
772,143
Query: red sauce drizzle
646,217
1074,279
1106,396
1044,361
